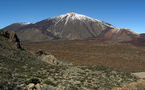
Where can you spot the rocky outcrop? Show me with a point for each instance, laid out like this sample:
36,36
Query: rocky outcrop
11,37
47,57
140,75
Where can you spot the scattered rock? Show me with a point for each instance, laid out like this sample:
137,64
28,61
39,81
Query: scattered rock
49,58
38,86
31,86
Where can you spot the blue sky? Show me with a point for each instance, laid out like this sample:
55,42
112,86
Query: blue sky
120,13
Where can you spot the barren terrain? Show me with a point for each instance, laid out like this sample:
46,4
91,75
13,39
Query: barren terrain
122,56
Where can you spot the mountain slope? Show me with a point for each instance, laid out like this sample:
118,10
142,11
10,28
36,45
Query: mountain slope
69,26
122,34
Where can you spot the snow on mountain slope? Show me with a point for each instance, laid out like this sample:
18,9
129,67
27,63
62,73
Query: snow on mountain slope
75,16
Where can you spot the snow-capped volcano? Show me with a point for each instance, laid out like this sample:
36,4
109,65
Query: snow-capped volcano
75,16
72,16
69,26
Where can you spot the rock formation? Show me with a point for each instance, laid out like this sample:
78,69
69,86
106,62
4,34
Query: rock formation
11,37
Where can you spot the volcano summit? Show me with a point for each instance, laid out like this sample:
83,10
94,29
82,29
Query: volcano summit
70,26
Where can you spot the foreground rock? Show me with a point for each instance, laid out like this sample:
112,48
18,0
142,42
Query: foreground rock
31,86
79,78
139,85
140,75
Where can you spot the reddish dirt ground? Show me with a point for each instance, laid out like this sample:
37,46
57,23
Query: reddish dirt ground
123,56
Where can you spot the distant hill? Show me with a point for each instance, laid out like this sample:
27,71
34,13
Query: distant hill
70,26
139,41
